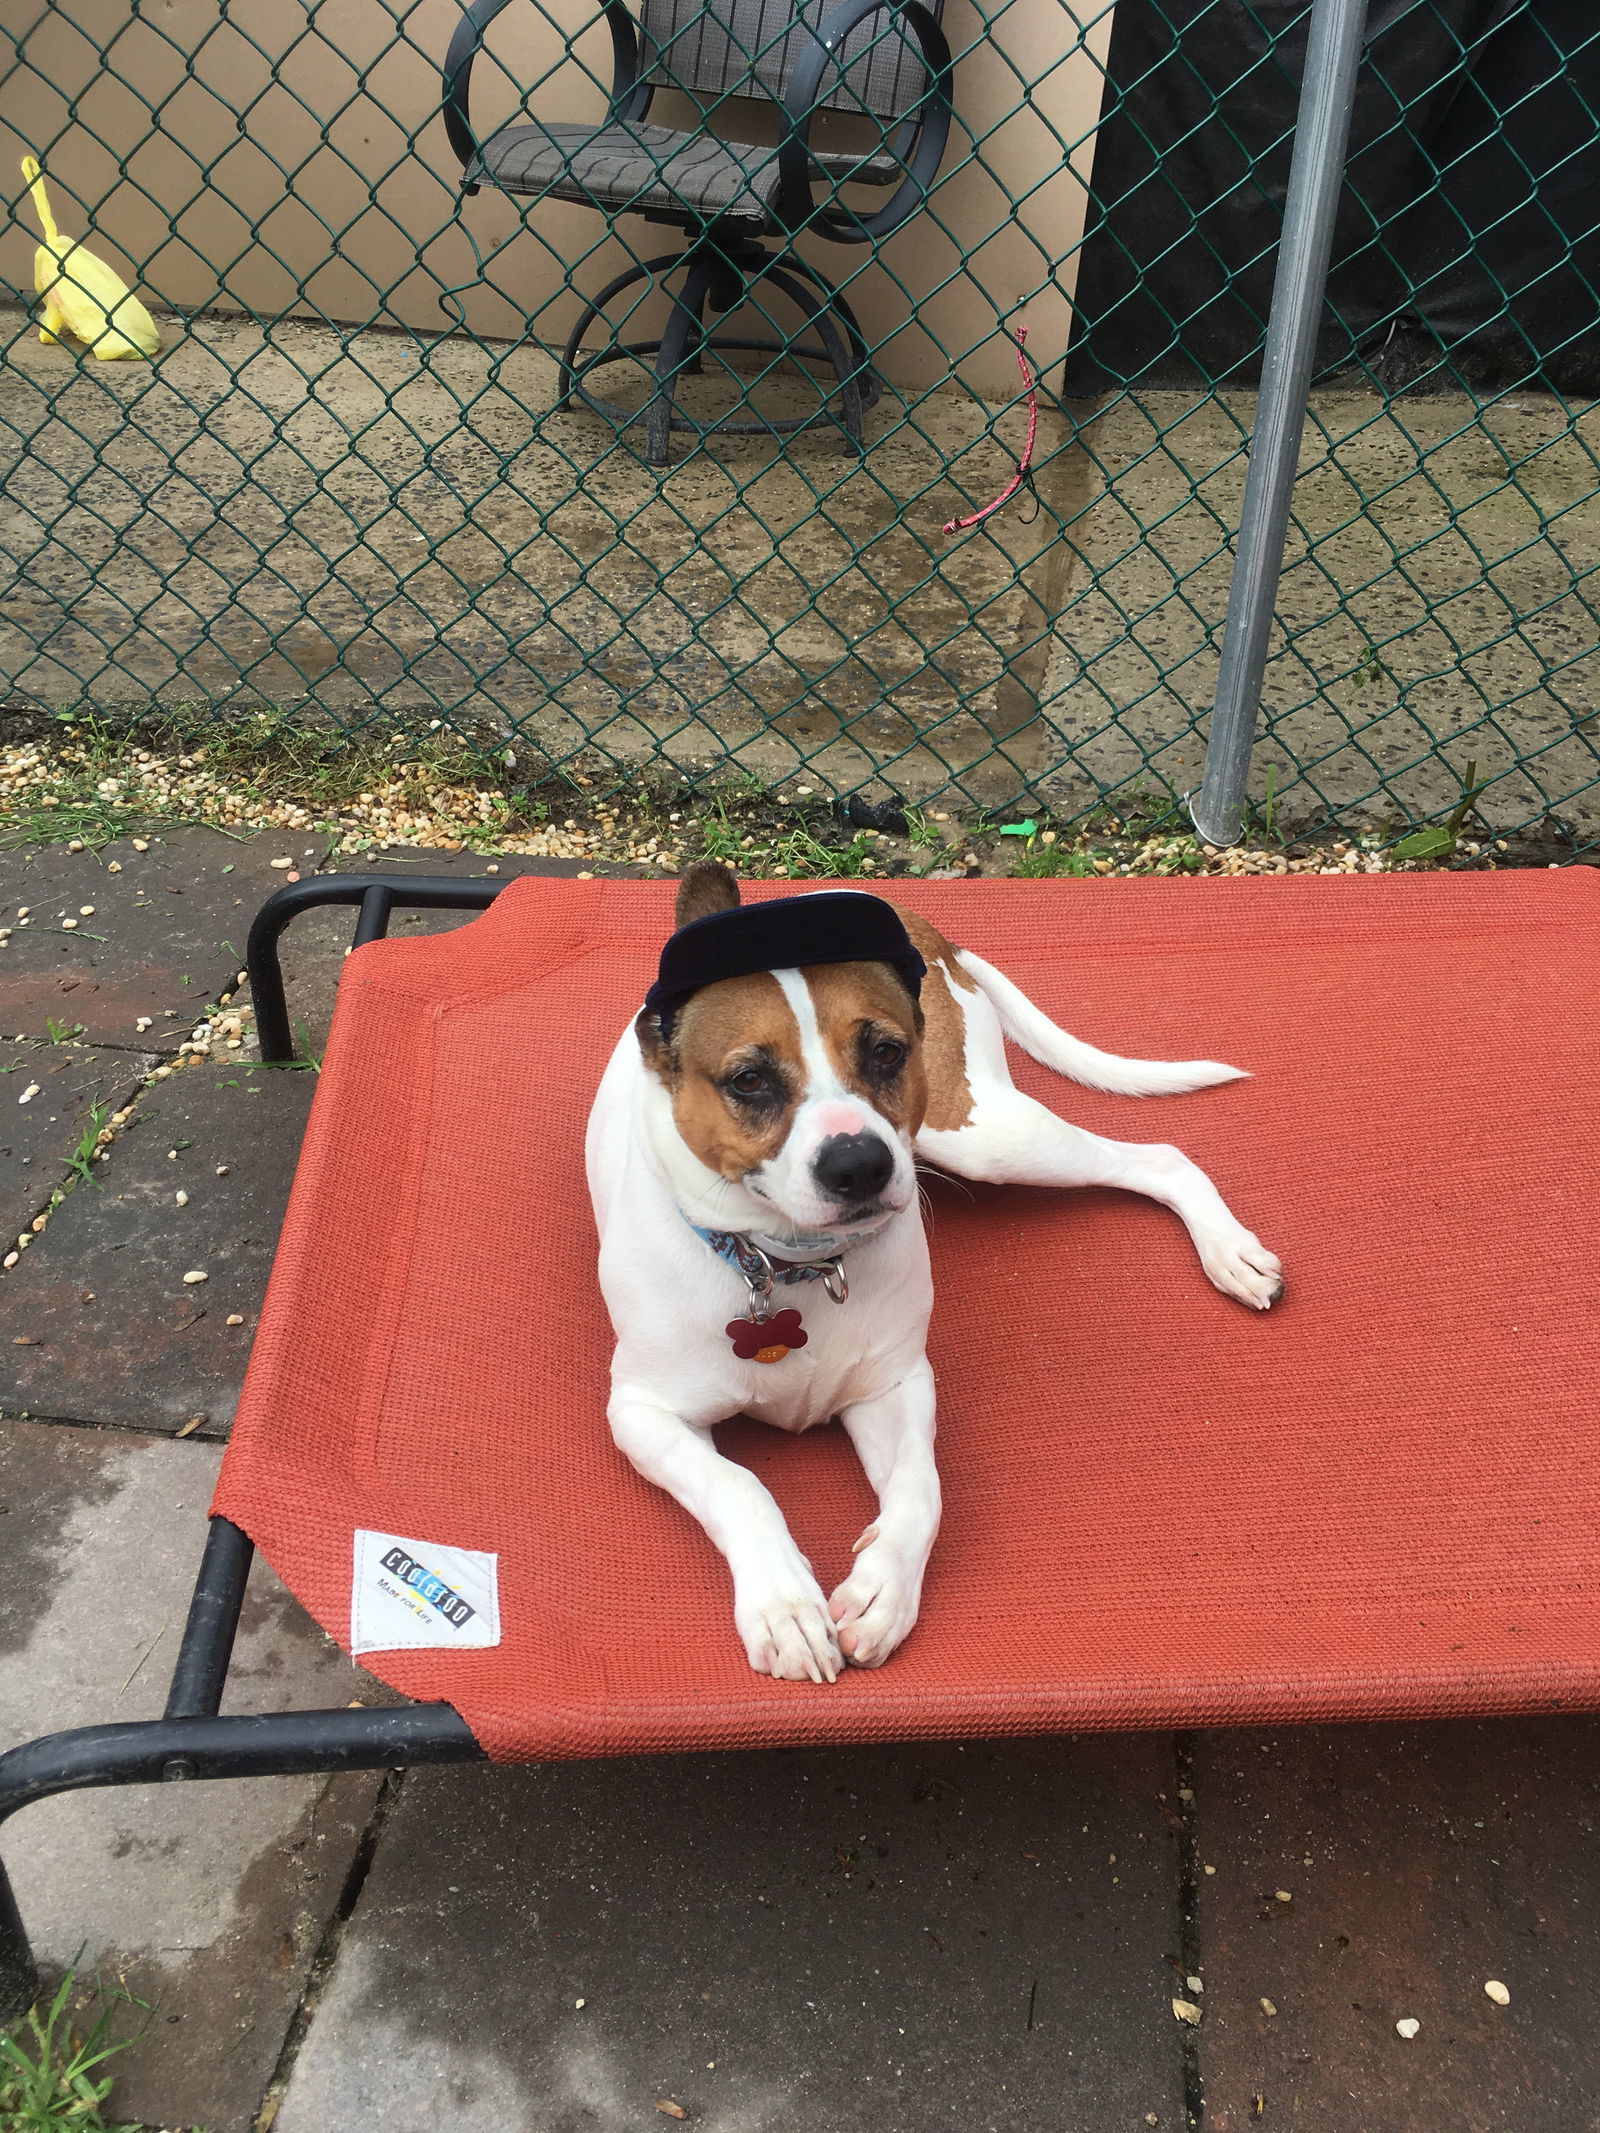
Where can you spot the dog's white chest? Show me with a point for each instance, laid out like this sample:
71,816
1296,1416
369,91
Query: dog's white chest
672,1298
810,1384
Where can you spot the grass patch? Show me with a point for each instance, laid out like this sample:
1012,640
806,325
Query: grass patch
800,851
94,780
84,780
1045,858
52,2080
719,837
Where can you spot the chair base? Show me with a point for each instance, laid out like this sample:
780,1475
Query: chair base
719,272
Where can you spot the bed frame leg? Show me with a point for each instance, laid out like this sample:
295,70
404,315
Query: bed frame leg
19,1978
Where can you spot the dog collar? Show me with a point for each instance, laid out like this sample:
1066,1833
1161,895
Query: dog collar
755,1262
766,1336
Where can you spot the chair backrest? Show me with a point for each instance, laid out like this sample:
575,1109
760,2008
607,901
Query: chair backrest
748,48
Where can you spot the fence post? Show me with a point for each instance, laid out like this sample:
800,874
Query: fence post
1316,176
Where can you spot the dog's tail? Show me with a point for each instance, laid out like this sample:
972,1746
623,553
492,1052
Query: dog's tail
1039,1037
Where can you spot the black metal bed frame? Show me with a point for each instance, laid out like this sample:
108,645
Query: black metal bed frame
192,1739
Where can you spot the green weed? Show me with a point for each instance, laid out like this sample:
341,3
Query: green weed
274,755
88,1144
1181,855
1440,838
719,837
802,853
1049,862
53,2081
1369,671
1269,807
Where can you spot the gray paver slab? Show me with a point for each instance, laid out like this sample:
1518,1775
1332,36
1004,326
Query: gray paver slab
119,1337
209,1901
1420,1862
174,913
902,1940
38,1137
313,948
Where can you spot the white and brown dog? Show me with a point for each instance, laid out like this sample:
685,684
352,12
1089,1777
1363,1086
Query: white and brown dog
752,1159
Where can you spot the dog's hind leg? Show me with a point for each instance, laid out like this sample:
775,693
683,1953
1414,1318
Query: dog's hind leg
1009,1139
877,1604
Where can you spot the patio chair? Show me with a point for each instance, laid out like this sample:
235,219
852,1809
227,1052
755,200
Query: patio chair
1380,1501
804,57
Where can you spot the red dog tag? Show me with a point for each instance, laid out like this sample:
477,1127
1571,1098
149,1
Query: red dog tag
766,1340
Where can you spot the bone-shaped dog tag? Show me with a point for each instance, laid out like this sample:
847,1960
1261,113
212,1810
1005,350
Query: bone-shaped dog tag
766,1340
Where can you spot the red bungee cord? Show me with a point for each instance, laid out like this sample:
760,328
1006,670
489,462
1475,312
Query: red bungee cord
1025,463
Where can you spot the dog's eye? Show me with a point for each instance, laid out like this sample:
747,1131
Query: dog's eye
887,1055
749,1081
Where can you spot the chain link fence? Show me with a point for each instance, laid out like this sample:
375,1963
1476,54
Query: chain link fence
356,484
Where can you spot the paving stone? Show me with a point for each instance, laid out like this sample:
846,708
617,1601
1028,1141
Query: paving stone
313,948
166,934
903,1940
38,1138
208,1901
1420,1862
120,1338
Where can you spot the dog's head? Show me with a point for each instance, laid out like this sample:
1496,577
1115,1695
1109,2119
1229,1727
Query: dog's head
805,1086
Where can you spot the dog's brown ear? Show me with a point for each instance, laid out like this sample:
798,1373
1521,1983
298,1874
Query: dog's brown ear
657,1053
708,886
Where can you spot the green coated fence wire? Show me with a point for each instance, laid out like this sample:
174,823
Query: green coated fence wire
348,487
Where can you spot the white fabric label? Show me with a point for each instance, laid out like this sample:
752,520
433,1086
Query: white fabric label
412,1595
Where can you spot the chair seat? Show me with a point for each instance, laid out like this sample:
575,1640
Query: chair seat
629,164
1379,1500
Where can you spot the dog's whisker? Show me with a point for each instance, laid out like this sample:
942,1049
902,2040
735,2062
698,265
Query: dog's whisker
930,1170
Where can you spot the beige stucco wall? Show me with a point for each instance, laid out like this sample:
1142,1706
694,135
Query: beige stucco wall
291,158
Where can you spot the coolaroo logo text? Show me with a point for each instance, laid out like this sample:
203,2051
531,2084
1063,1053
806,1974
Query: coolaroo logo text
421,1580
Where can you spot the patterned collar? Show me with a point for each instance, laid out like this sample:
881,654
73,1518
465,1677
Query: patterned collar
755,1264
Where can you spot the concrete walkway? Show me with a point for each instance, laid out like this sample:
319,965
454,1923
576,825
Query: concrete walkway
294,515
978,1936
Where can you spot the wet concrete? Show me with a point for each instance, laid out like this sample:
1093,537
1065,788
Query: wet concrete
39,1138
295,516
115,1334
1419,1863
1438,606
982,1939
155,935
206,1903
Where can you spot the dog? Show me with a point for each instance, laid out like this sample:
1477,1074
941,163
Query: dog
752,1157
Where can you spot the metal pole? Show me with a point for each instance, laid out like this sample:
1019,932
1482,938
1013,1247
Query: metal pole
1316,176
202,1668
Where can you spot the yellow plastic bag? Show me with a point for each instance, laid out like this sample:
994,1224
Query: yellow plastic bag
82,295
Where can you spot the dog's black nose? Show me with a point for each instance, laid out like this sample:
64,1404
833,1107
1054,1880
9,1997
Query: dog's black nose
853,1167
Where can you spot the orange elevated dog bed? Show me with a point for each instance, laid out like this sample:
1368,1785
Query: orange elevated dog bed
1380,1499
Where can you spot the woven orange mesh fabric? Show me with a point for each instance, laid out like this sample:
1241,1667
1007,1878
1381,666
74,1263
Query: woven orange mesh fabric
1380,1499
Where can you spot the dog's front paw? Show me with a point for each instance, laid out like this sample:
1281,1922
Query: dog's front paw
1241,1266
875,1608
784,1623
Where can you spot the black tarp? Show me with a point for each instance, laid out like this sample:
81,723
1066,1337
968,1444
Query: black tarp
1468,241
